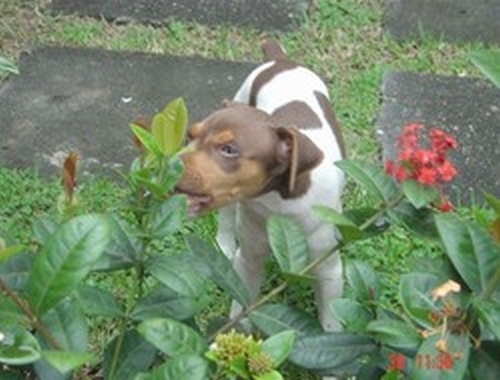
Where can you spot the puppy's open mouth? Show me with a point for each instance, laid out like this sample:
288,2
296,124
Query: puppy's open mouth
197,203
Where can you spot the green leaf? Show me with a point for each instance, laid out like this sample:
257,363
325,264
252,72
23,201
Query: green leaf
348,229
221,269
473,252
184,367
124,359
10,251
10,313
274,318
489,314
485,361
371,178
288,243
7,66
176,272
488,62
168,217
146,139
414,294
169,126
273,375
420,221
66,361
18,346
68,325
396,334
279,346
350,314
15,271
329,350
171,337
433,364
166,303
99,302
44,228
419,195
363,280
124,248
65,260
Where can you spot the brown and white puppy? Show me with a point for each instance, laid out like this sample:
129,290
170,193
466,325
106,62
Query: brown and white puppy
270,151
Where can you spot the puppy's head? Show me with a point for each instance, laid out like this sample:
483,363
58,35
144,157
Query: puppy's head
239,153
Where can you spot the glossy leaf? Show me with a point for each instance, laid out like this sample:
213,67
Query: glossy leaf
279,346
172,337
166,303
371,178
350,314
433,364
363,280
146,139
396,334
99,302
124,248
124,359
488,62
43,228
275,318
9,252
414,295
66,361
168,216
419,221
473,252
15,271
169,126
18,346
10,313
485,361
348,229
489,314
419,195
176,272
184,367
272,375
221,269
288,243
65,260
329,350
68,325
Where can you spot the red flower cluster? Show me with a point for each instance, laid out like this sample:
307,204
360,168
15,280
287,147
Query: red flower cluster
426,166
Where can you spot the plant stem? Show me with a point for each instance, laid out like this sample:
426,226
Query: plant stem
24,307
313,264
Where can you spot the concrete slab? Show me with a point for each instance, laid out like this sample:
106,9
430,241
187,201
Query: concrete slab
465,107
453,20
260,14
84,99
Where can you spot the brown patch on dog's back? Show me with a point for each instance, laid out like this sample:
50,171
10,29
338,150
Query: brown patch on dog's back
266,76
298,114
332,120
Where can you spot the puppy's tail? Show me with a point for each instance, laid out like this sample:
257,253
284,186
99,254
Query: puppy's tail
272,50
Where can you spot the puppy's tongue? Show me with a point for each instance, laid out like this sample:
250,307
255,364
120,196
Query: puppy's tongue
197,203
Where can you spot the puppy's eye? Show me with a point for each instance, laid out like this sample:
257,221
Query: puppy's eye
229,150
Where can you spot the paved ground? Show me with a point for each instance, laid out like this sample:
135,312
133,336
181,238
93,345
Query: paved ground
467,108
453,20
84,99
260,14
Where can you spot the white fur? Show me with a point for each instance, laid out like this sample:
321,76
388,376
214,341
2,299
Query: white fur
242,231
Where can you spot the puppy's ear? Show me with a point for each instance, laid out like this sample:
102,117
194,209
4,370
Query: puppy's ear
301,155
194,130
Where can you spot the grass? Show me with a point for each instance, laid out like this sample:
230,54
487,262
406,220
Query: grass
342,41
